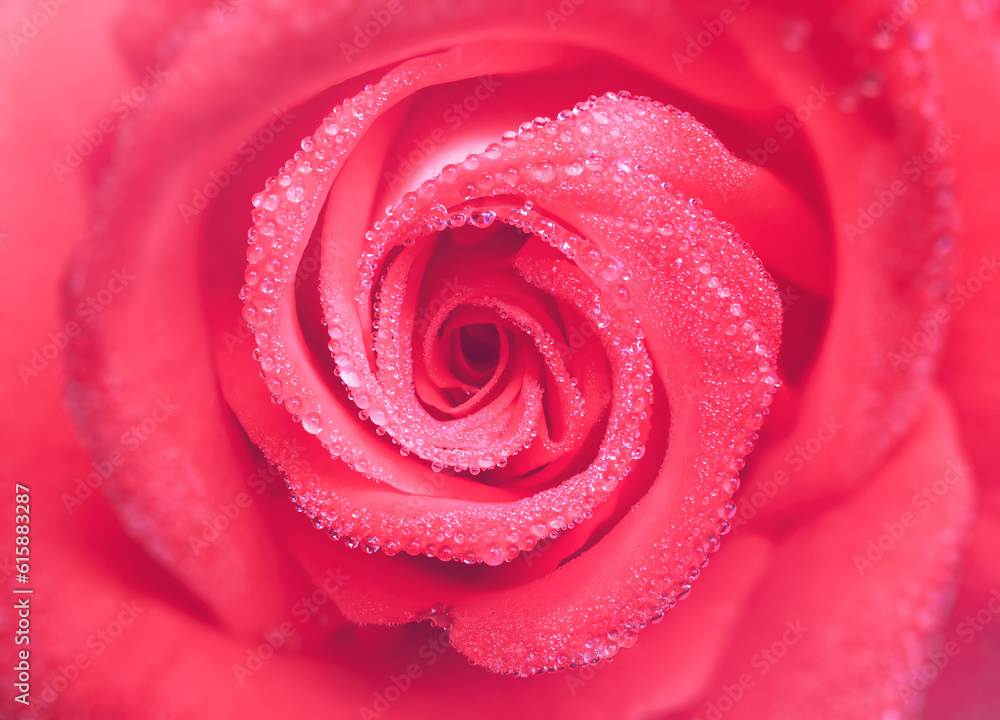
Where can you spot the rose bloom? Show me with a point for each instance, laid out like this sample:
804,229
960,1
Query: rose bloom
419,360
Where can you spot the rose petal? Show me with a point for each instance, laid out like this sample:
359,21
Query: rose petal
962,50
289,215
865,377
854,599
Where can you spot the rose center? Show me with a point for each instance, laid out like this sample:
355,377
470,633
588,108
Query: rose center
479,344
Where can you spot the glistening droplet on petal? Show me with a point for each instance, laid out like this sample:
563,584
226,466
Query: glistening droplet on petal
630,296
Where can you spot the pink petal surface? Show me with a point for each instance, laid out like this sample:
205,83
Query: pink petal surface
709,283
853,601
808,263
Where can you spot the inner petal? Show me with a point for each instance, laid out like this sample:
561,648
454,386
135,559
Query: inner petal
476,351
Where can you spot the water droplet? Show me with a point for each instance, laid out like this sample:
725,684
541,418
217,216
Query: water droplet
482,218
494,555
611,269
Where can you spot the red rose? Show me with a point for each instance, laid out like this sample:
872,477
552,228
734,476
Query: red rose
510,347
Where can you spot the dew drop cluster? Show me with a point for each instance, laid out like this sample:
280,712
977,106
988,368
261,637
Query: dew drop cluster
663,283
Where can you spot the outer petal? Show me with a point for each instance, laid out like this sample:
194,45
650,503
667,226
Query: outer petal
872,369
963,47
855,598
163,661
212,467
653,53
